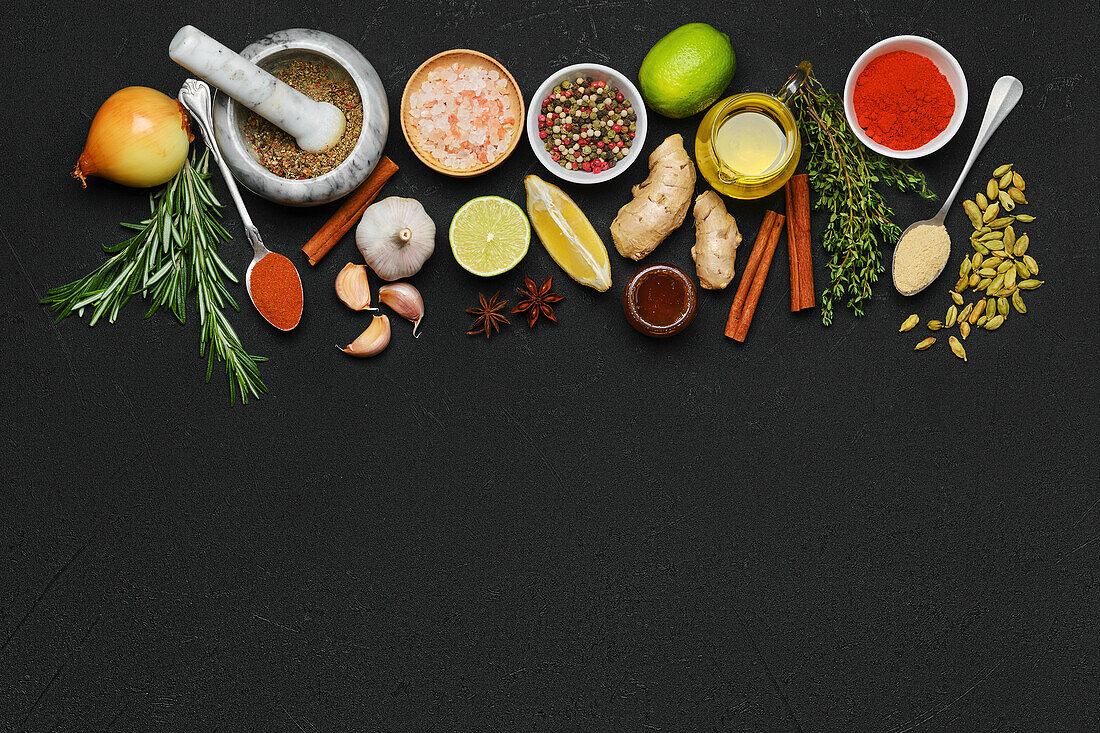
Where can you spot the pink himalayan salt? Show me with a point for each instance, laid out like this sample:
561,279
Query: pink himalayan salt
463,115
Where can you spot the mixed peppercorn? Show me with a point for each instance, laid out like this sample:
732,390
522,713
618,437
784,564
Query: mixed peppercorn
587,125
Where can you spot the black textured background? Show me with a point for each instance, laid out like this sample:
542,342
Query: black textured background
567,529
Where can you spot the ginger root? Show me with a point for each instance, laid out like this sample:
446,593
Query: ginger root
660,204
716,240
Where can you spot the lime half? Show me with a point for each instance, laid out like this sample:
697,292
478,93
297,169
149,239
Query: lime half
489,235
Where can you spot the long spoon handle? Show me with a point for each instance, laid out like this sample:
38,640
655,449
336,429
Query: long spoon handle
1006,93
195,96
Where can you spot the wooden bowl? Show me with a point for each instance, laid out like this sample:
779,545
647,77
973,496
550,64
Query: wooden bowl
468,58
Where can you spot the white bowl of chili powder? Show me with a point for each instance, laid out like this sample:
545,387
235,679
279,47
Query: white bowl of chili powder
905,97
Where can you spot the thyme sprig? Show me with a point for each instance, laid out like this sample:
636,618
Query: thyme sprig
843,174
174,253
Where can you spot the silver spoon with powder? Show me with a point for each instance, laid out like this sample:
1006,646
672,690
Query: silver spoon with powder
924,247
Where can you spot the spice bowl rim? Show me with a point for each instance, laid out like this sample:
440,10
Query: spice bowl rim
630,307
625,86
944,61
426,159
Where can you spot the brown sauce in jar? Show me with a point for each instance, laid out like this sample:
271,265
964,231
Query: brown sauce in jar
659,300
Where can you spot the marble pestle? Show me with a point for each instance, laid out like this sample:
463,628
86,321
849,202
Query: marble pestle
317,126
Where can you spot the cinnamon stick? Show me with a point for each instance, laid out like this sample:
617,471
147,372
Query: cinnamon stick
770,231
349,212
749,273
798,242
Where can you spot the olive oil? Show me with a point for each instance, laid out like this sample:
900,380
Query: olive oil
750,143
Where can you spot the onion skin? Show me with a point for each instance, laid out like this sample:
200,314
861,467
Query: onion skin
140,137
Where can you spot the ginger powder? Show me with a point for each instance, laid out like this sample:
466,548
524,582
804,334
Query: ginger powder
920,257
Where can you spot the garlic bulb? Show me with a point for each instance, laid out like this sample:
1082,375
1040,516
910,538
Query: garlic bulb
406,302
396,237
371,341
352,287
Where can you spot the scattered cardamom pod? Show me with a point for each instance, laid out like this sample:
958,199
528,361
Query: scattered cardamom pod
964,329
987,272
990,214
935,325
966,312
955,297
1031,264
1018,181
925,344
1020,248
952,315
1025,218
1022,271
998,282
979,247
1002,169
991,190
1009,238
979,309
990,307
994,323
983,284
1002,222
982,320
957,347
1030,284
1006,202
909,323
960,286
990,236
982,202
1010,276
975,278
1017,195
1018,302
1005,181
973,212
1005,266
1002,306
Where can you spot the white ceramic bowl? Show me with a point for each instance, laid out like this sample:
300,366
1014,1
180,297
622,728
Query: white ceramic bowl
599,73
947,65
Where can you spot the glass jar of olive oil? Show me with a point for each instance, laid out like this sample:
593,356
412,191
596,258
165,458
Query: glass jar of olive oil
748,145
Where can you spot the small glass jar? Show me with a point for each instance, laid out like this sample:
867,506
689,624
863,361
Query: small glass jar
659,300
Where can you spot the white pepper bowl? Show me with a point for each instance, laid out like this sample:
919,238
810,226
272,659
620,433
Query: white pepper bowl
612,78
947,65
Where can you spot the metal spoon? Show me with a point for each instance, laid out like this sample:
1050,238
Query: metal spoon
195,96
1006,93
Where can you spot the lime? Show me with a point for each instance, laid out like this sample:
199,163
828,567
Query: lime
686,71
489,235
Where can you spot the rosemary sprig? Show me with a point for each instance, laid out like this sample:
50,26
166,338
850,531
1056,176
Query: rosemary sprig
843,174
174,252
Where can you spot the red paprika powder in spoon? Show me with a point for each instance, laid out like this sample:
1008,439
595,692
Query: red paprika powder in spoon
276,291
902,100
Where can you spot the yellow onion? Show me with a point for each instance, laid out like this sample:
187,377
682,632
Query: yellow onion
139,137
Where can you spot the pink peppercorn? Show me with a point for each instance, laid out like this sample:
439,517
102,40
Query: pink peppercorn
542,134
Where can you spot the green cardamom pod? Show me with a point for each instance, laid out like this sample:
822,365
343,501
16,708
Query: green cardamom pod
990,307
925,344
1002,306
964,268
1005,266
998,283
1002,222
1006,181
990,214
983,284
994,323
909,323
987,272
1009,238
965,313
981,321
935,325
1031,264
1025,218
1017,195
1010,277
1018,302
1030,284
982,202
978,312
990,236
1022,271
1020,248
1007,204
991,190
973,212
964,329
1002,169
979,247
952,316
955,297
1018,181
975,278
957,348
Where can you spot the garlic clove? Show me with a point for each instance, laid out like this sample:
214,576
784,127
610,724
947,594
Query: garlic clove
353,288
405,300
372,341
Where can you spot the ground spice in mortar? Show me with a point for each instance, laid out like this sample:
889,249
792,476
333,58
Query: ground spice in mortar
279,152
902,100
277,291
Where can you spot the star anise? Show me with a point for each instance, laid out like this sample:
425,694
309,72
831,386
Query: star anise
535,300
489,315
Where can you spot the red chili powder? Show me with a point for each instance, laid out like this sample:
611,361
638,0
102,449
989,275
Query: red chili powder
277,291
902,100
